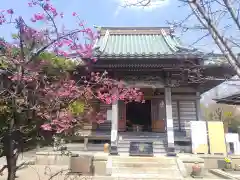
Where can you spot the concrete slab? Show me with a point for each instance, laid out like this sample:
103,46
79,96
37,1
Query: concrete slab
222,174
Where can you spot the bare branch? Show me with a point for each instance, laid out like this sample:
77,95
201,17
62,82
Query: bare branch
222,44
230,9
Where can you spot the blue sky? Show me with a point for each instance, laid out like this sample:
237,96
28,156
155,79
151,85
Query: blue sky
104,13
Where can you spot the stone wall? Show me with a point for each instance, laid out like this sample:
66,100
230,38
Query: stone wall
100,161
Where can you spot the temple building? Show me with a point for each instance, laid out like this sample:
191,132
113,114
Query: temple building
172,78
233,99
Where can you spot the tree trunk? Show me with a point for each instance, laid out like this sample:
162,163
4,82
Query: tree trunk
12,145
12,165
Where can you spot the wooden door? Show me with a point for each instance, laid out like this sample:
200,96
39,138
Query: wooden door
122,116
158,114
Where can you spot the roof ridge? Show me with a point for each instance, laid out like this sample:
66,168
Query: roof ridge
135,31
135,27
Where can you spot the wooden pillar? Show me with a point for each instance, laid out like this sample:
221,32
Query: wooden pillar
114,129
198,108
122,116
169,121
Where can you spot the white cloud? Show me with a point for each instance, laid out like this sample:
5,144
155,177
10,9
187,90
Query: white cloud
147,5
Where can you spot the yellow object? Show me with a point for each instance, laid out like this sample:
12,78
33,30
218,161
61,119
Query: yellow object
227,160
77,107
106,148
216,138
202,148
228,114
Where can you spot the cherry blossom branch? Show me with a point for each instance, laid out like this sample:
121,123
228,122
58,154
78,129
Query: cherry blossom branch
51,43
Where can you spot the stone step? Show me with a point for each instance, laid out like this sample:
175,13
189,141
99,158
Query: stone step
160,151
125,146
157,176
90,147
142,134
154,148
142,139
141,167
126,150
159,147
154,142
126,170
134,159
144,165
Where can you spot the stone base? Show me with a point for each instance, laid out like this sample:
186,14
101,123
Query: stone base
81,164
186,163
171,151
100,164
114,150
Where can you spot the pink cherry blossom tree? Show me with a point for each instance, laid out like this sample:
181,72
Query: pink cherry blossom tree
36,87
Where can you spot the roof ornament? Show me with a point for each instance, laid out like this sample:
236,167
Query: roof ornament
168,40
97,27
105,39
163,32
95,46
172,29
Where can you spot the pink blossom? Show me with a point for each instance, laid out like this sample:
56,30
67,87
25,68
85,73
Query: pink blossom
108,100
47,127
82,23
10,11
121,97
94,59
39,16
74,13
100,121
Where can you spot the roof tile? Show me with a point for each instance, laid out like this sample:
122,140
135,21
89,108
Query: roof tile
137,42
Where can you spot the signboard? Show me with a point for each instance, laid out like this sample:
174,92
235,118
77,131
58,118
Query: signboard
199,137
216,138
233,145
141,149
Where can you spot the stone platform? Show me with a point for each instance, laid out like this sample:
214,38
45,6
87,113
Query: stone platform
37,172
117,167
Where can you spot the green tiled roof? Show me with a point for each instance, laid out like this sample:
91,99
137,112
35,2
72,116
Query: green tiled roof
138,42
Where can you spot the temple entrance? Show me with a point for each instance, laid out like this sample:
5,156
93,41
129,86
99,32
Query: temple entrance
138,116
